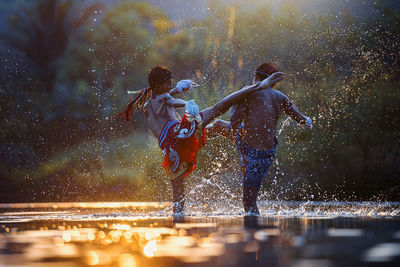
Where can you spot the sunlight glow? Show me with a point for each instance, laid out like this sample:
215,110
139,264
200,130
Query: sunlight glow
91,236
149,249
67,237
127,260
92,258
121,227
98,257
94,205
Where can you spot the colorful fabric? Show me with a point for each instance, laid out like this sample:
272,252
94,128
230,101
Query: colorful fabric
139,101
180,141
255,163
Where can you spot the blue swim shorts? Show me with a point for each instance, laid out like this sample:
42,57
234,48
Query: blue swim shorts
255,163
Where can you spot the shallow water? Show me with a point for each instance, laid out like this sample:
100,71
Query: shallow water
144,234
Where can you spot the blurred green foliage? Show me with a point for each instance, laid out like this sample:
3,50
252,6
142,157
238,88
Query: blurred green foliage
67,67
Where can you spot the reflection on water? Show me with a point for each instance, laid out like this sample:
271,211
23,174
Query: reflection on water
142,234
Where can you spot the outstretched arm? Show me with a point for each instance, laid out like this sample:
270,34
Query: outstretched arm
290,109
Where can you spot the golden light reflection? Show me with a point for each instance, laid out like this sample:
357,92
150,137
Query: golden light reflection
128,235
66,237
101,235
127,260
272,232
92,258
91,236
195,225
95,205
182,232
181,241
121,227
233,238
106,241
149,249
59,242
97,257
122,243
261,236
151,235
78,234
115,235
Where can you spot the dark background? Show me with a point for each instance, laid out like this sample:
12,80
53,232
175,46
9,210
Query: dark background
66,66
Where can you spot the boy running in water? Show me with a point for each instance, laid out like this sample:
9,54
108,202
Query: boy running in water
180,139
253,123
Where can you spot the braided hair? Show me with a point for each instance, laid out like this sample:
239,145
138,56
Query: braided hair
156,76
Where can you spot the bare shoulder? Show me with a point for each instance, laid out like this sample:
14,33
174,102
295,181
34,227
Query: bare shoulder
275,92
278,94
269,92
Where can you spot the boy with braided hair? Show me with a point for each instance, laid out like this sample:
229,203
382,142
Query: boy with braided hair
180,139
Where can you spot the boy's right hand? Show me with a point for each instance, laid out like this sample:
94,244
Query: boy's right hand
272,79
184,85
308,123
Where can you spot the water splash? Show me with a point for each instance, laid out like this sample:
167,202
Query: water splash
224,206
284,124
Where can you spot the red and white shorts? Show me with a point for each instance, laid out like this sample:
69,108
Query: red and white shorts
180,141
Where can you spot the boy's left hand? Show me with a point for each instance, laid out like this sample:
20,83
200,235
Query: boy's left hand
184,85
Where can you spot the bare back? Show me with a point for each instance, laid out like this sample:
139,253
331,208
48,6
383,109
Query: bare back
260,113
158,112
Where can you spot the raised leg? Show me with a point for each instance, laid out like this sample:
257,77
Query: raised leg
209,114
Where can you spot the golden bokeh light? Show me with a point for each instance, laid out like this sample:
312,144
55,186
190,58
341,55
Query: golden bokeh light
127,260
67,237
149,249
97,257
91,236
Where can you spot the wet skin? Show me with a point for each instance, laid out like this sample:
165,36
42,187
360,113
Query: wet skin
162,109
260,113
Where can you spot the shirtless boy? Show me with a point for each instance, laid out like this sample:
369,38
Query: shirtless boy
180,139
253,122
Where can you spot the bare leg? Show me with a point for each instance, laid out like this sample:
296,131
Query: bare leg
250,194
209,114
178,196
219,128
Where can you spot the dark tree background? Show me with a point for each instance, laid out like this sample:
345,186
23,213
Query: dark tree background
66,67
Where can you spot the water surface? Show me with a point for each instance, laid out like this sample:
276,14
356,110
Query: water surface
144,234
